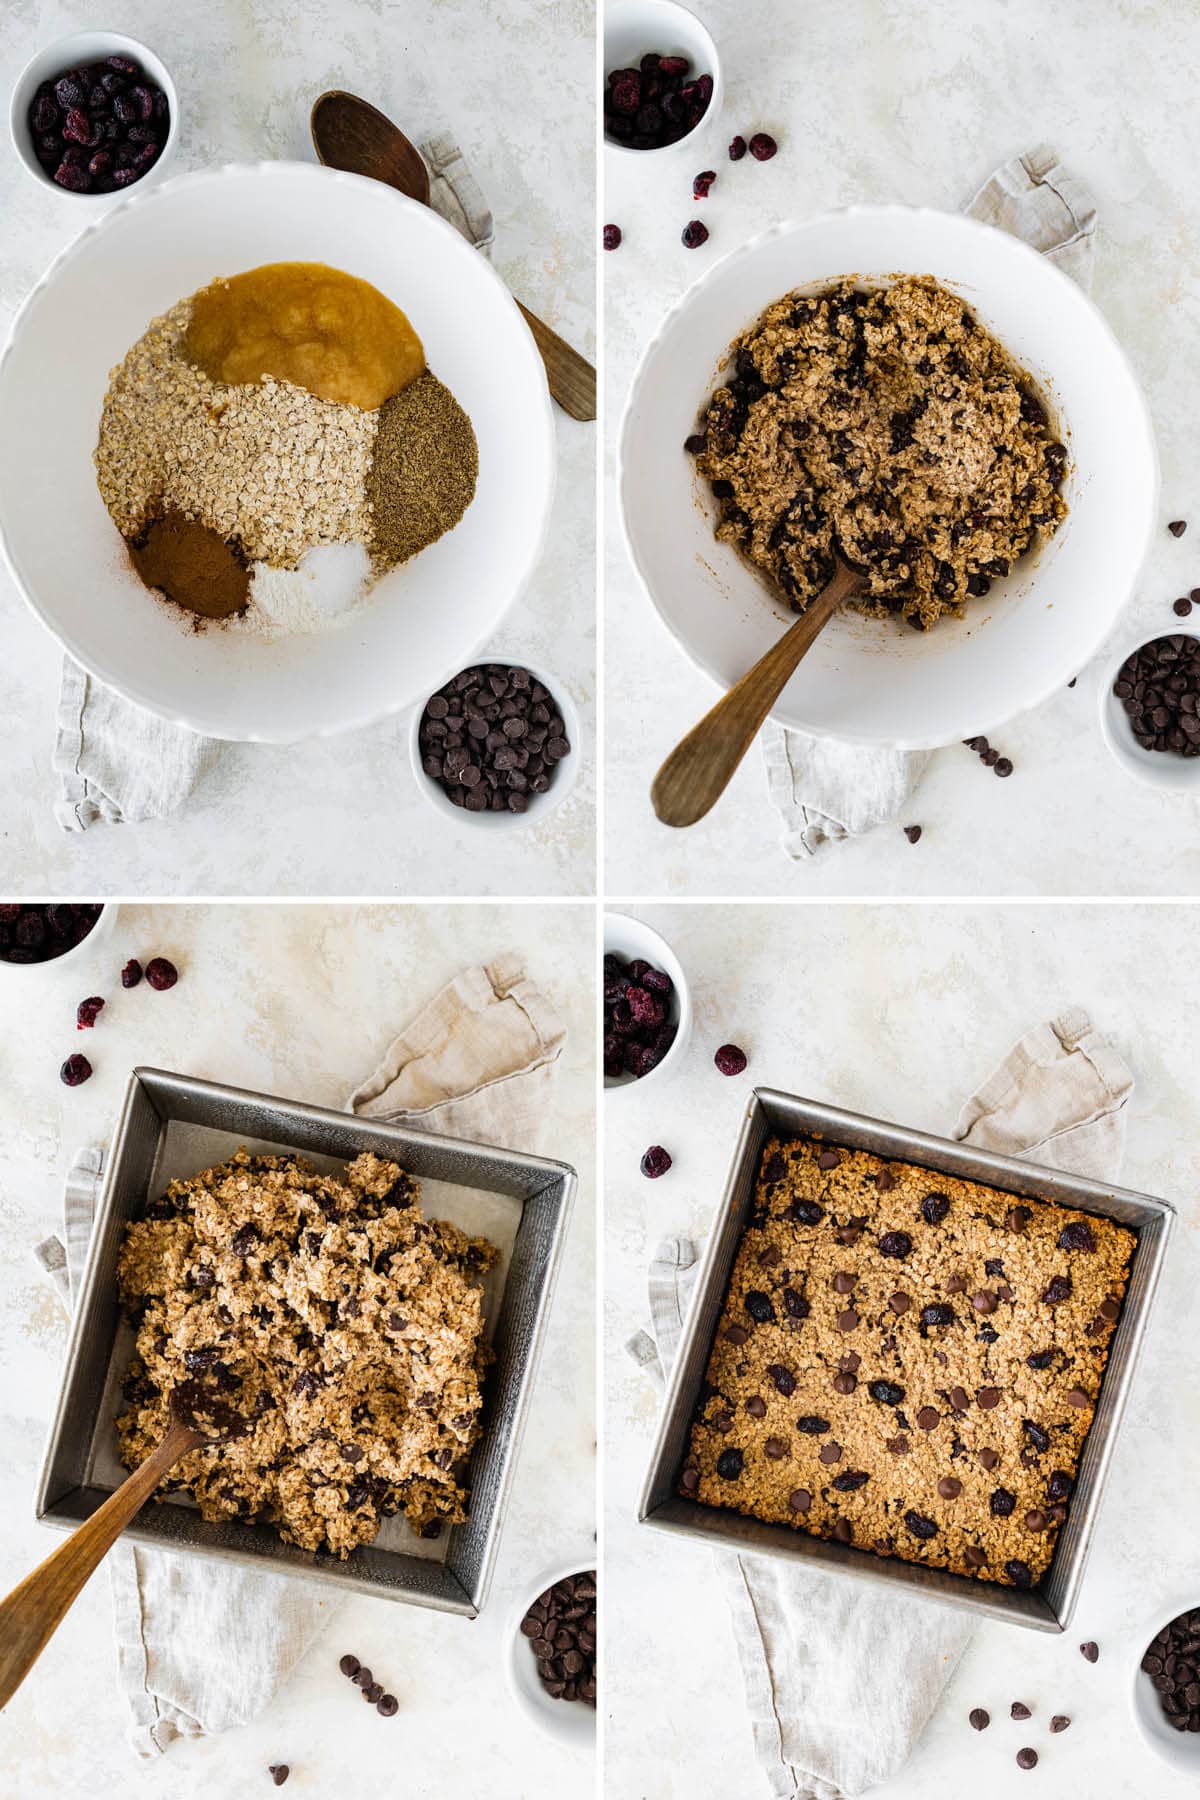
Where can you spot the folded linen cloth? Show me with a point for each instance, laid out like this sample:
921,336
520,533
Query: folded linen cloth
841,1681
202,1647
826,790
119,764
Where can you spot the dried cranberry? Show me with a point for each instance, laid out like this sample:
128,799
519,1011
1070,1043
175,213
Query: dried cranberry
934,1208
730,1060
920,1526
87,1012
762,146
612,237
730,1464
1019,1573
1059,1486
101,165
656,1162
43,114
73,176
78,129
625,93
737,149
888,1393
783,1378
673,65
758,1305
1077,1236
161,974
131,974
811,1425
75,1070
693,235
122,64
806,1212
645,1008
702,184
895,1243
143,99
937,1314
70,91
1058,1289
1002,1503
796,1305
1037,1435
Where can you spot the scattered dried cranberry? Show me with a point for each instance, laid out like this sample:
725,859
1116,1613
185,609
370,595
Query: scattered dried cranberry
762,146
656,1162
131,974
75,1071
108,107
657,103
730,1060
694,234
737,149
87,1012
612,237
161,974
703,184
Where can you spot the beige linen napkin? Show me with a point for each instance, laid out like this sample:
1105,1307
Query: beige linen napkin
204,1646
826,790
840,1680
118,764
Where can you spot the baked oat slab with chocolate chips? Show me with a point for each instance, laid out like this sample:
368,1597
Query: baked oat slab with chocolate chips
907,1362
341,1328
889,424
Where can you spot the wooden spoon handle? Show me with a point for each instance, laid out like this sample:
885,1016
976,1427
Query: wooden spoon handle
699,769
572,378
32,1613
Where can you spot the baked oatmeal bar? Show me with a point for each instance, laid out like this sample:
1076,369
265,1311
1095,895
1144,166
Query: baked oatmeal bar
343,1328
907,1362
890,423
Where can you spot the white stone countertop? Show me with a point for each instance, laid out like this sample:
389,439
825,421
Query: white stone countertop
900,1012
299,1001
513,82
881,100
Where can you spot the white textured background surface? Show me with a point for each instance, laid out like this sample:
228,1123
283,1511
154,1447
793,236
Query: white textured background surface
900,1012
300,1001
512,80
886,100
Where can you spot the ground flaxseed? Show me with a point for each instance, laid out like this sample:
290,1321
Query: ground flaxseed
423,472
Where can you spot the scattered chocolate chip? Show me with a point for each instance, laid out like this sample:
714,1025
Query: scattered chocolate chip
278,1772
387,1705
349,1665
1177,527
1090,1651
1158,687
611,240
1019,1710
1059,1722
1027,1759
1182,607
913,833
980,1720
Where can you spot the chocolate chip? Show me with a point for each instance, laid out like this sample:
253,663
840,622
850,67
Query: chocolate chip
278,1772
775,1448
800,1500
1017,1218
387,1705
974,1557
1027,1759
913,833
1019,1710
373,1694
848,1320
828,1159
362,1677
830,1453
979,1719
843,1282
1090,1651
1177,527
899,1303
495,775
1035,1519
844,1383
988,1398
1059,1722
929,1418
756,1406
988,1457
1077,1398
349,1665
949,1488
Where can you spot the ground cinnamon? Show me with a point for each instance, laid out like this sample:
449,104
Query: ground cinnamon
192,565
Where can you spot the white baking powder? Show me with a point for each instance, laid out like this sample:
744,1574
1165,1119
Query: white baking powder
319,594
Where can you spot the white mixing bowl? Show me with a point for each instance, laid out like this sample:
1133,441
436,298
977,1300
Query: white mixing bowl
427,618
866,680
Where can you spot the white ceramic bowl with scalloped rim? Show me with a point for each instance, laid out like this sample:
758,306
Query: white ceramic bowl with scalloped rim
424,620
865,680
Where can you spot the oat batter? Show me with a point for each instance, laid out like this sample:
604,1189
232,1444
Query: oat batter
893,424
340,1324
907,1362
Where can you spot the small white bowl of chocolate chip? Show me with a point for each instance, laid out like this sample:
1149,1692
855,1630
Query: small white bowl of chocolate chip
550,1651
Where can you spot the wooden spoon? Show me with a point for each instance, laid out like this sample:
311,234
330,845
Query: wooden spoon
699,769
32,1613
350,134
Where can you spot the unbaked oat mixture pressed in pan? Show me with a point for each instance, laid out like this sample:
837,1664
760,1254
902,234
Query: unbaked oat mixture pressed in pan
907,1362
341,1326
892,425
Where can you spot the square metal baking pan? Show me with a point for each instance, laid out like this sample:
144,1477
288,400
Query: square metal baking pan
172,1124
1047,1607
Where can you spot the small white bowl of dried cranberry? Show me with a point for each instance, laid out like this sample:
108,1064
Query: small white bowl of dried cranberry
497,746
662,76
553,1690
41,938
94,115
647,1005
